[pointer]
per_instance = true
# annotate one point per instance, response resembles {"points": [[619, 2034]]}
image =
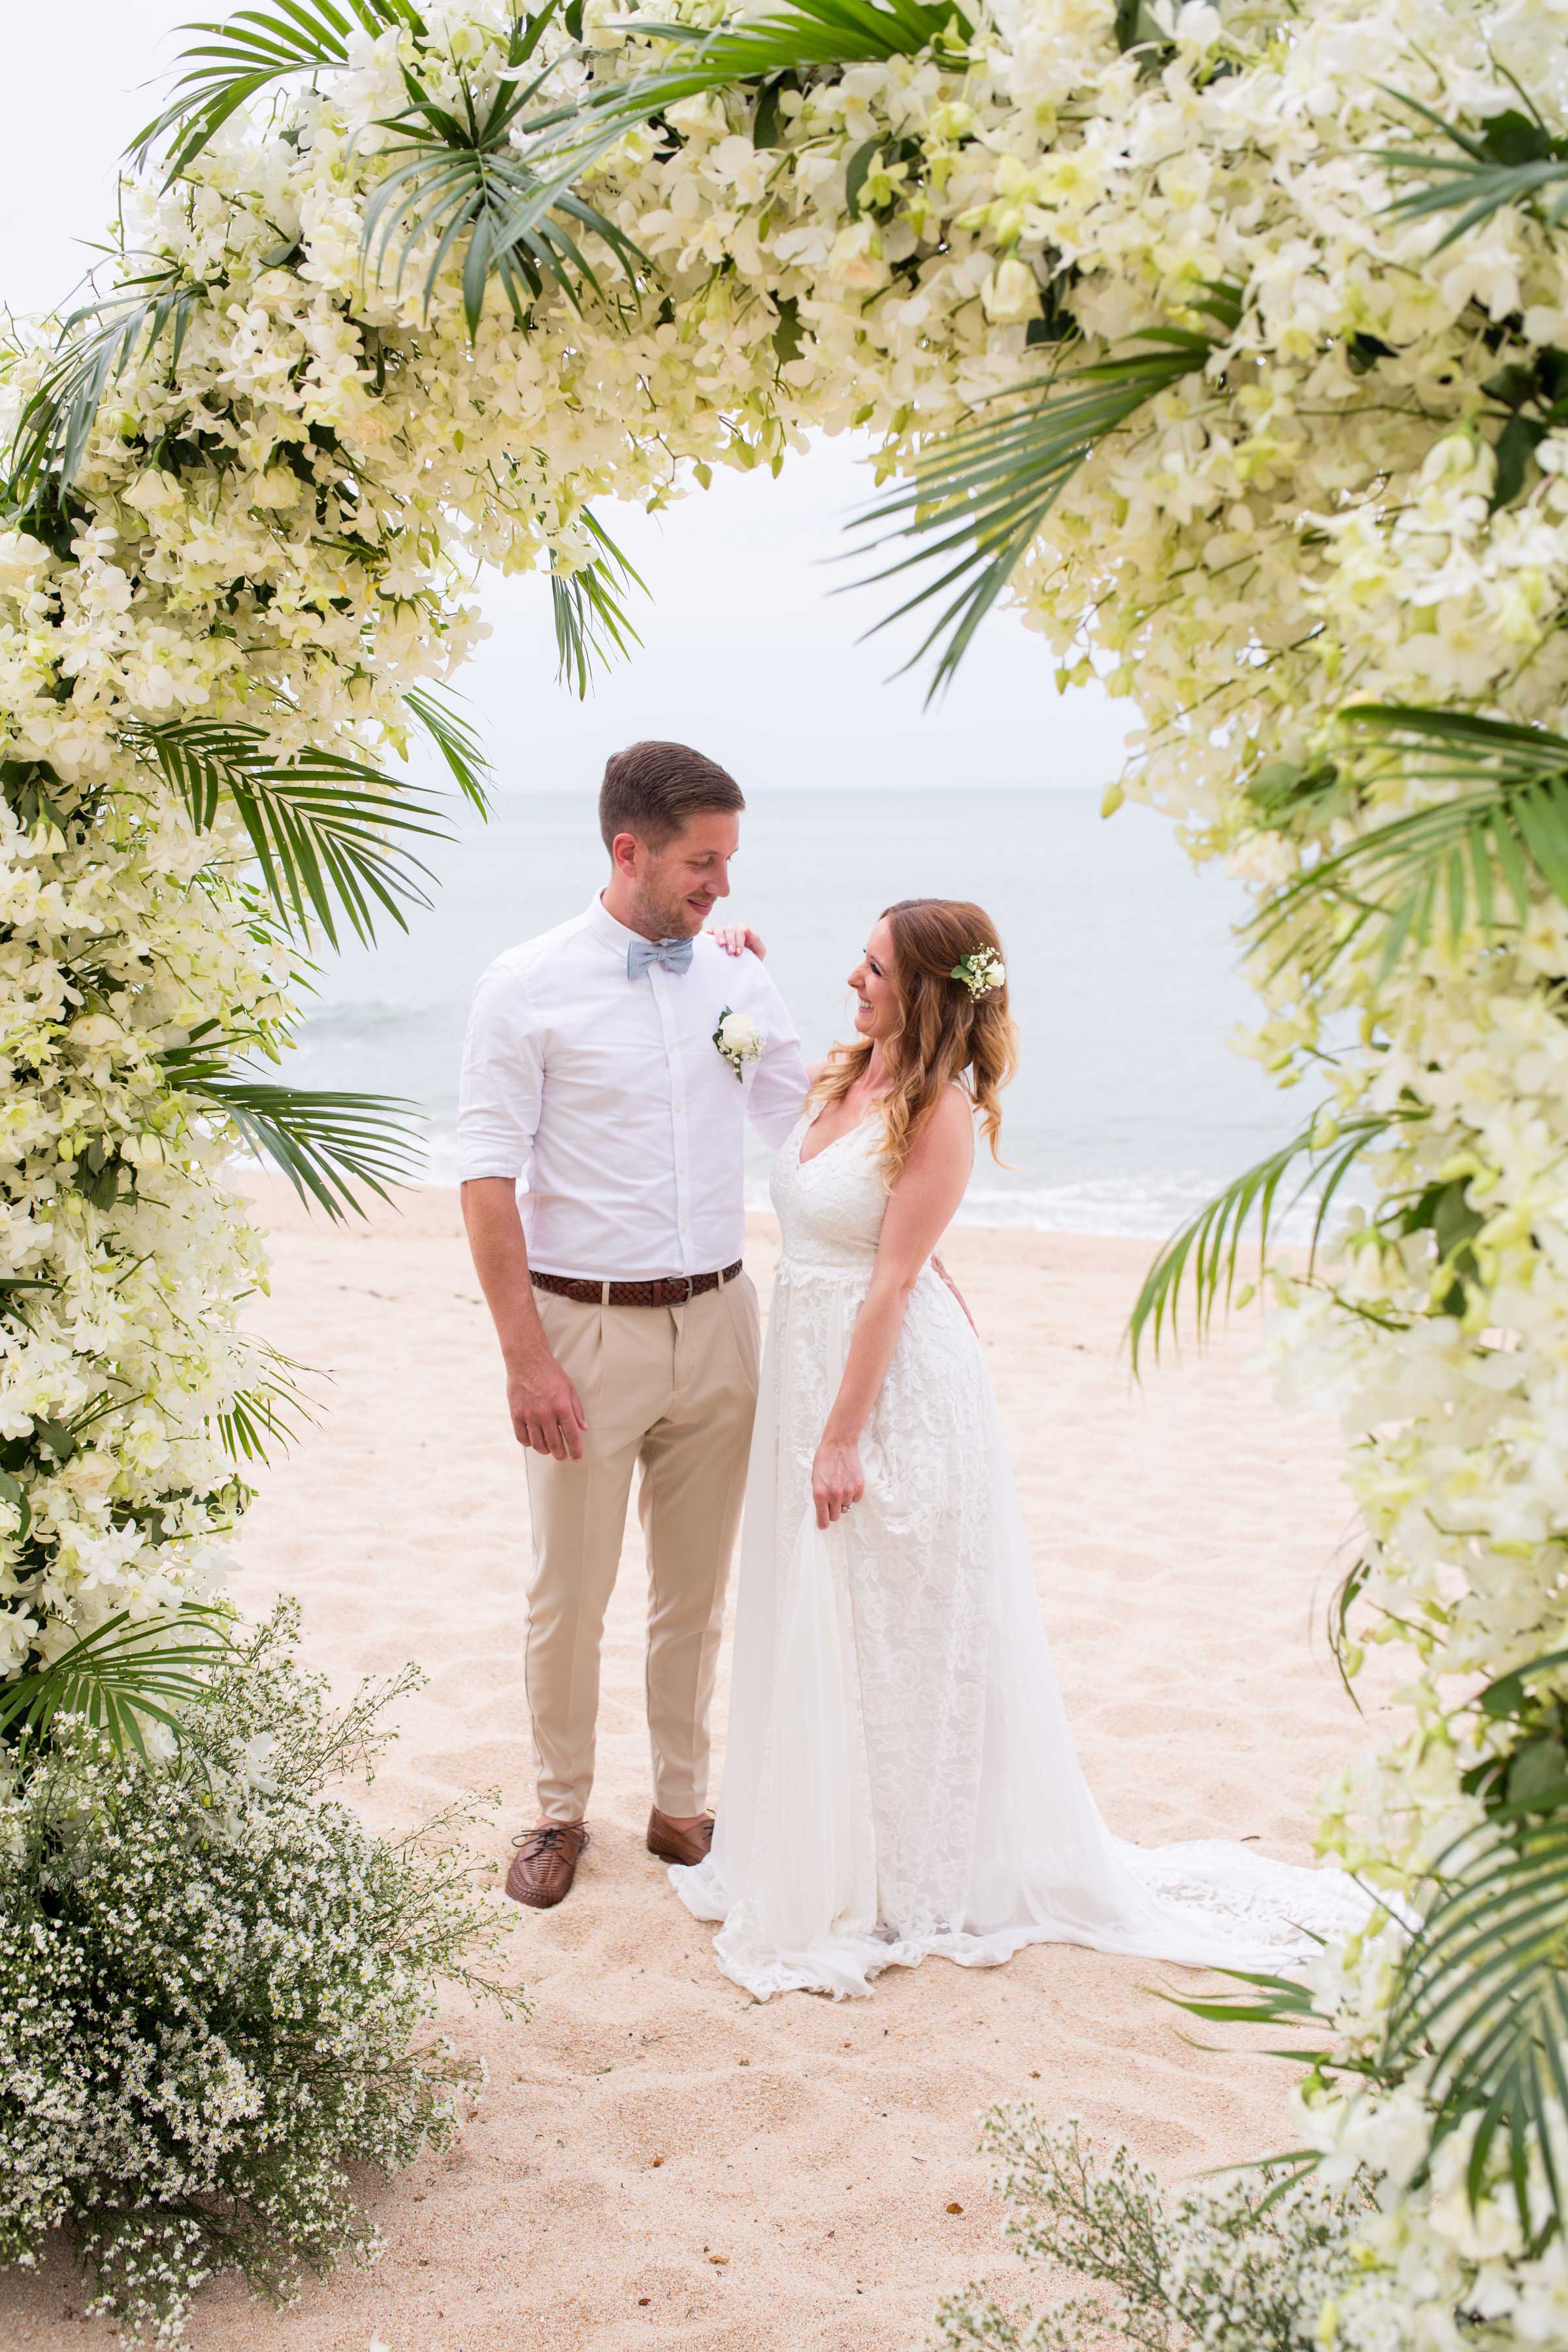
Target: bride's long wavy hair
{"points": [[945, 1035]]}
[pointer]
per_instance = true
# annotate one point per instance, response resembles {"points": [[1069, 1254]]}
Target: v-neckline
{"points": [[800, 1154]]}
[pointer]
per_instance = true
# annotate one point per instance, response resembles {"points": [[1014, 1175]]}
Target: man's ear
{"points": [[624, 854]]}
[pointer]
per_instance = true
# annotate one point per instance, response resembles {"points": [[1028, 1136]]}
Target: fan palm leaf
{"points": [[592, 625], [328, 835], [1205, 1252], [980, 495], [324, 1141], [1482, 1999], [97, 344], [1442, 867], [122, 1677]]}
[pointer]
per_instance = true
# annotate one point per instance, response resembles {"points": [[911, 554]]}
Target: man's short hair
{"points": [[653, 789]]}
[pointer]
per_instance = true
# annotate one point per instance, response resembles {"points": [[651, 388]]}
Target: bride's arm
{"points": [[923, 1203]]}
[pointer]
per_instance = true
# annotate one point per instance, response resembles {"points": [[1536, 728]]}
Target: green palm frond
{"points": [[252, 50], [980, 495], [266, 1413], [459, 179], [431, 708], [122, 1676], [327, 833], [1504, 830], [1483, 1998], [325, 1142], [1513, 159], [97, 344], [592, 626], [1206, 1249]]}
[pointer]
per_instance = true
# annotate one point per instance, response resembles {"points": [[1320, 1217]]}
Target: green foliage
{"points": [[1481, 2003], [98, 343], [431, 709], [980, 495], [214, 1987], [252, 51], [1513, 159], [1206, 1249], [325, 1142], [590, 621], [459, 179], [327, 832], [122, 1676], [1473, 856], [1243, 2267]]}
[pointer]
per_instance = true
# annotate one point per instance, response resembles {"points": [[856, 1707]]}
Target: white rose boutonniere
{"points": [[739, 1039]]}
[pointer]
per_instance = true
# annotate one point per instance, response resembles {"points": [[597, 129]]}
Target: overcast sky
{"points": [[746, 651]]}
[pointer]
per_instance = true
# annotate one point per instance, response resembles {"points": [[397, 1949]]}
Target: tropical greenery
{"points": [[1232, 347]]}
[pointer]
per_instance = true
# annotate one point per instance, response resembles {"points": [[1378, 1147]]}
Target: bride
{"points": [[900, 1777]]}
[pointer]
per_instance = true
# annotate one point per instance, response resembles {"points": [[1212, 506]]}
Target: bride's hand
{"points": [[836, 1479], [736, 938]]}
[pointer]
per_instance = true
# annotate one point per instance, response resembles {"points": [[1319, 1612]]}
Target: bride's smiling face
{"points": [[878, 1011]]}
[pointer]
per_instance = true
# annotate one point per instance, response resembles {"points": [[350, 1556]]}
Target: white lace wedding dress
{"points": [[900, 1777]]}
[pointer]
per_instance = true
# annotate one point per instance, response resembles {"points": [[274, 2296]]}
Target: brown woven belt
{"points": [[672, 1290]]}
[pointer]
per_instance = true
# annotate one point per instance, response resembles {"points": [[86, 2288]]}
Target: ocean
{"points": [[1129, 1109]]}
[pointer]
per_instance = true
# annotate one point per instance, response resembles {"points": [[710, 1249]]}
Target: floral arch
{"points": [[1230, 344]]}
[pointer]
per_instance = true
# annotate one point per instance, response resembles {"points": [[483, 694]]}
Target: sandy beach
{"points": [[659, 2161]]}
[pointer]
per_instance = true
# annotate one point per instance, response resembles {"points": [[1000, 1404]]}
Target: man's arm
{"points": [[546, 1410], [779, 1085]]}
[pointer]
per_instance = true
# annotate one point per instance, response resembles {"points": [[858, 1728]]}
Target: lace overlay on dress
{"points": [[900, 1777]]}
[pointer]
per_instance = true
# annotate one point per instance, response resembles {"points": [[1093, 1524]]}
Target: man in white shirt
{"points": [[600, 1146]]}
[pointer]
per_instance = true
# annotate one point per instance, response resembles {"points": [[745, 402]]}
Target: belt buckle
{"points": [[688, 1281]]}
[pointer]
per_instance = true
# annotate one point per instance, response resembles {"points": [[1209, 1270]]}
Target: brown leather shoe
{"points": [[545, 1863], [672, 1845]]}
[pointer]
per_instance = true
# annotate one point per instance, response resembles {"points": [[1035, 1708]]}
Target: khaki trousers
{"points": [[675, 1390]]}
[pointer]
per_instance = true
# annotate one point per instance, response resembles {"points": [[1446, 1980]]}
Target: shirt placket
{"points": [[679, 1114]]}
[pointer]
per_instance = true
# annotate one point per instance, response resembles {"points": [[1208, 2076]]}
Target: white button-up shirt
{"points": [[608, 1104]]}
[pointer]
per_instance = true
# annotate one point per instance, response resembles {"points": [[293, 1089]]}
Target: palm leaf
{"points": [[97, 344], [1504, 829], [1511, 160], [325, 1142], [980, 495], [267, 1412], [246, 53], [431, 708], [1482, 1996], [122, 1676], [1205, 1250], [327, 833], [592, 626]]}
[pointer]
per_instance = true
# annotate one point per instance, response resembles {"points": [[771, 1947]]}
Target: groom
{"points": [[600, 1142]]}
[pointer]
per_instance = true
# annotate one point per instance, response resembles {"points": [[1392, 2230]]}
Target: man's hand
{"points": [[546, 1410], [735, 938]]}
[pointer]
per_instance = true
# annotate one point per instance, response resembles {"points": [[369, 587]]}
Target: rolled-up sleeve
{"points": [[502, 1081], [779, 1086]]}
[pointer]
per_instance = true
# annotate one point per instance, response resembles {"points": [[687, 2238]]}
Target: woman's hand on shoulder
{"points": [[736, 938]]}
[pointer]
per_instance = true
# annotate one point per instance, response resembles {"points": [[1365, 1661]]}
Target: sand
{"points": [[659, 2161]]}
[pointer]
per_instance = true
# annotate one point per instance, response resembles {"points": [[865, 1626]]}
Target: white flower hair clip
{"points": [[980, 972]]}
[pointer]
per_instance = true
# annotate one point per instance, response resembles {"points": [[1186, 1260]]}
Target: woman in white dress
{"points": [[900, 1777]]}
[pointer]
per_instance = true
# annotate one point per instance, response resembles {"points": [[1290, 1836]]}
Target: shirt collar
{"points": [[604, 927]]}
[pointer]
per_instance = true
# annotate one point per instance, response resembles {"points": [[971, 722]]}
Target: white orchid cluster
{"points": [[1349, 487]]}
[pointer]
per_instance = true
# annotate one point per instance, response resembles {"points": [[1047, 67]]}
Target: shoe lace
{"points": [[549, 1835]]}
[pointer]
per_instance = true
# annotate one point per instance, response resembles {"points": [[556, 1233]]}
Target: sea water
{"points": [[1129, 1109]]}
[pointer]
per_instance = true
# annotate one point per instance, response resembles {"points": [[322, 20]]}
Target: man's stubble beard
{"points": [[663, 914]]}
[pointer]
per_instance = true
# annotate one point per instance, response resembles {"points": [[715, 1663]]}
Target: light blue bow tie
{"points": [[675, 955]]}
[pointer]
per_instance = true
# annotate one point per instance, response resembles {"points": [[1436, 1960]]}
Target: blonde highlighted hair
{"points": [[945, 1035]]}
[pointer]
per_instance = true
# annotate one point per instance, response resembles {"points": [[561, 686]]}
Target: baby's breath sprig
{"points": [[981, 971]]}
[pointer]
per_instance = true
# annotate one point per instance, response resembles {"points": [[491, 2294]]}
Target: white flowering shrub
{"points": [[212, 1977], [1251, 2266], [1229, 341]]}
